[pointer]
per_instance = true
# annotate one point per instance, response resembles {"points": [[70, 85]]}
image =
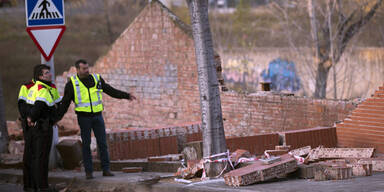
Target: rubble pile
{"points": [[319, 164]]}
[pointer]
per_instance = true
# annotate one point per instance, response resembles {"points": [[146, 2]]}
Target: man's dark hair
{"points": [[38, 70], [77, 64]]}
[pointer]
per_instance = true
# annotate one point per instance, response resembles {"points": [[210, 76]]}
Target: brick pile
{"points": [[365, 126], [257, 172], [325, 171], [143, 143]]}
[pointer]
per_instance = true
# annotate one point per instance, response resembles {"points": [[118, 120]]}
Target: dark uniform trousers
{"points": [[41, 141], [27, 157]]}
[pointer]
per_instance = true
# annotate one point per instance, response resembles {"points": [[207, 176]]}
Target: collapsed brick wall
{"points": [[154, 58], [365, 126]]}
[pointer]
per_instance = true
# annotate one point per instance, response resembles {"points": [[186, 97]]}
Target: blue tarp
{"points": [[282, 75]]}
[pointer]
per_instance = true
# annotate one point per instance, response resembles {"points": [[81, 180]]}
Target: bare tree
{"points": [[329, 48], [212, 120], [3, 124]]}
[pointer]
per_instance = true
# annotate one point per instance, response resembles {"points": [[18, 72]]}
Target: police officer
{"points": [[42, 97], [27, 158], [85, 90]]}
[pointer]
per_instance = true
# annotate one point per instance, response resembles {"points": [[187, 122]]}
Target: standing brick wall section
{"points": [[143, 143], [154, 59], [269, 112], [365, 126]]}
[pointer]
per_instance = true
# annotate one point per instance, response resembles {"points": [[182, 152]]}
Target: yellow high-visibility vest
{"points": [[87, 100], [43, 92]]}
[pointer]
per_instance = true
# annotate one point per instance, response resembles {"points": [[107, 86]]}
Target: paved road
{"points": [[147, 181], [10, 187]]}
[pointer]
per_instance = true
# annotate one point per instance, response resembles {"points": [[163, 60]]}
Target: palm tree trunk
{"points": [[210, 103]]}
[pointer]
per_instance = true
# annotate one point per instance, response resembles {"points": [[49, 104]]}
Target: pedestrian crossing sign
{"points": [[44, 12]]}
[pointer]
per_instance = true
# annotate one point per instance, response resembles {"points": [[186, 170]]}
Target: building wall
{"points": [[154, 59]]}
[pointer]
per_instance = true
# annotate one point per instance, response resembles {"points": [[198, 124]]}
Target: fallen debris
{"points": [[301, 151], [239, 153], [270, 160], [182, 180], [337, 153], [325, 171], [283, 147], [194, 169], [275, 152], [306, 171], [377, 163], [259, 172]]}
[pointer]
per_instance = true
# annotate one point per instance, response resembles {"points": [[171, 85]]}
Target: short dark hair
{"points": [[77, 64], [38, 70]]}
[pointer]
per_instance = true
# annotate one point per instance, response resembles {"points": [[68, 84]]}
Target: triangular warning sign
{"points": [[46, 38], [45, 9]]}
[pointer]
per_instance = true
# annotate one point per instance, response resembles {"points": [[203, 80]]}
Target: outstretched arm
{"points": [[109, 90]]}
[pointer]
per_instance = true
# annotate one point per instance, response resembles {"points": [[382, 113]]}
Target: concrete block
{"points": [[70, 152]]}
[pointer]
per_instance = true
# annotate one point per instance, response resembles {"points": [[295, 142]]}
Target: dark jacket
{"points": [[88, 82]]}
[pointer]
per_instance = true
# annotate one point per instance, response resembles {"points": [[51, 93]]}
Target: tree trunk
{"points": [[321, 81], [3, 123], [211, 114]]}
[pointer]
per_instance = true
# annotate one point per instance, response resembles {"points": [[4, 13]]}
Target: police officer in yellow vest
{"points": [[85, 90], [43, 98], [27, 156]]}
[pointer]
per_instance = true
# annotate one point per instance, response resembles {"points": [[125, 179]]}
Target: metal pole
{"points": [[53, 155], [51, 64]]}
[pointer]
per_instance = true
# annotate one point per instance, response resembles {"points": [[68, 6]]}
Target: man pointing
{"points": [[85, 90]]}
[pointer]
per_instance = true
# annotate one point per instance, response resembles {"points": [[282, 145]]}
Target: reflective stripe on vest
{"points": [[84, 103], [23, 93]]}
